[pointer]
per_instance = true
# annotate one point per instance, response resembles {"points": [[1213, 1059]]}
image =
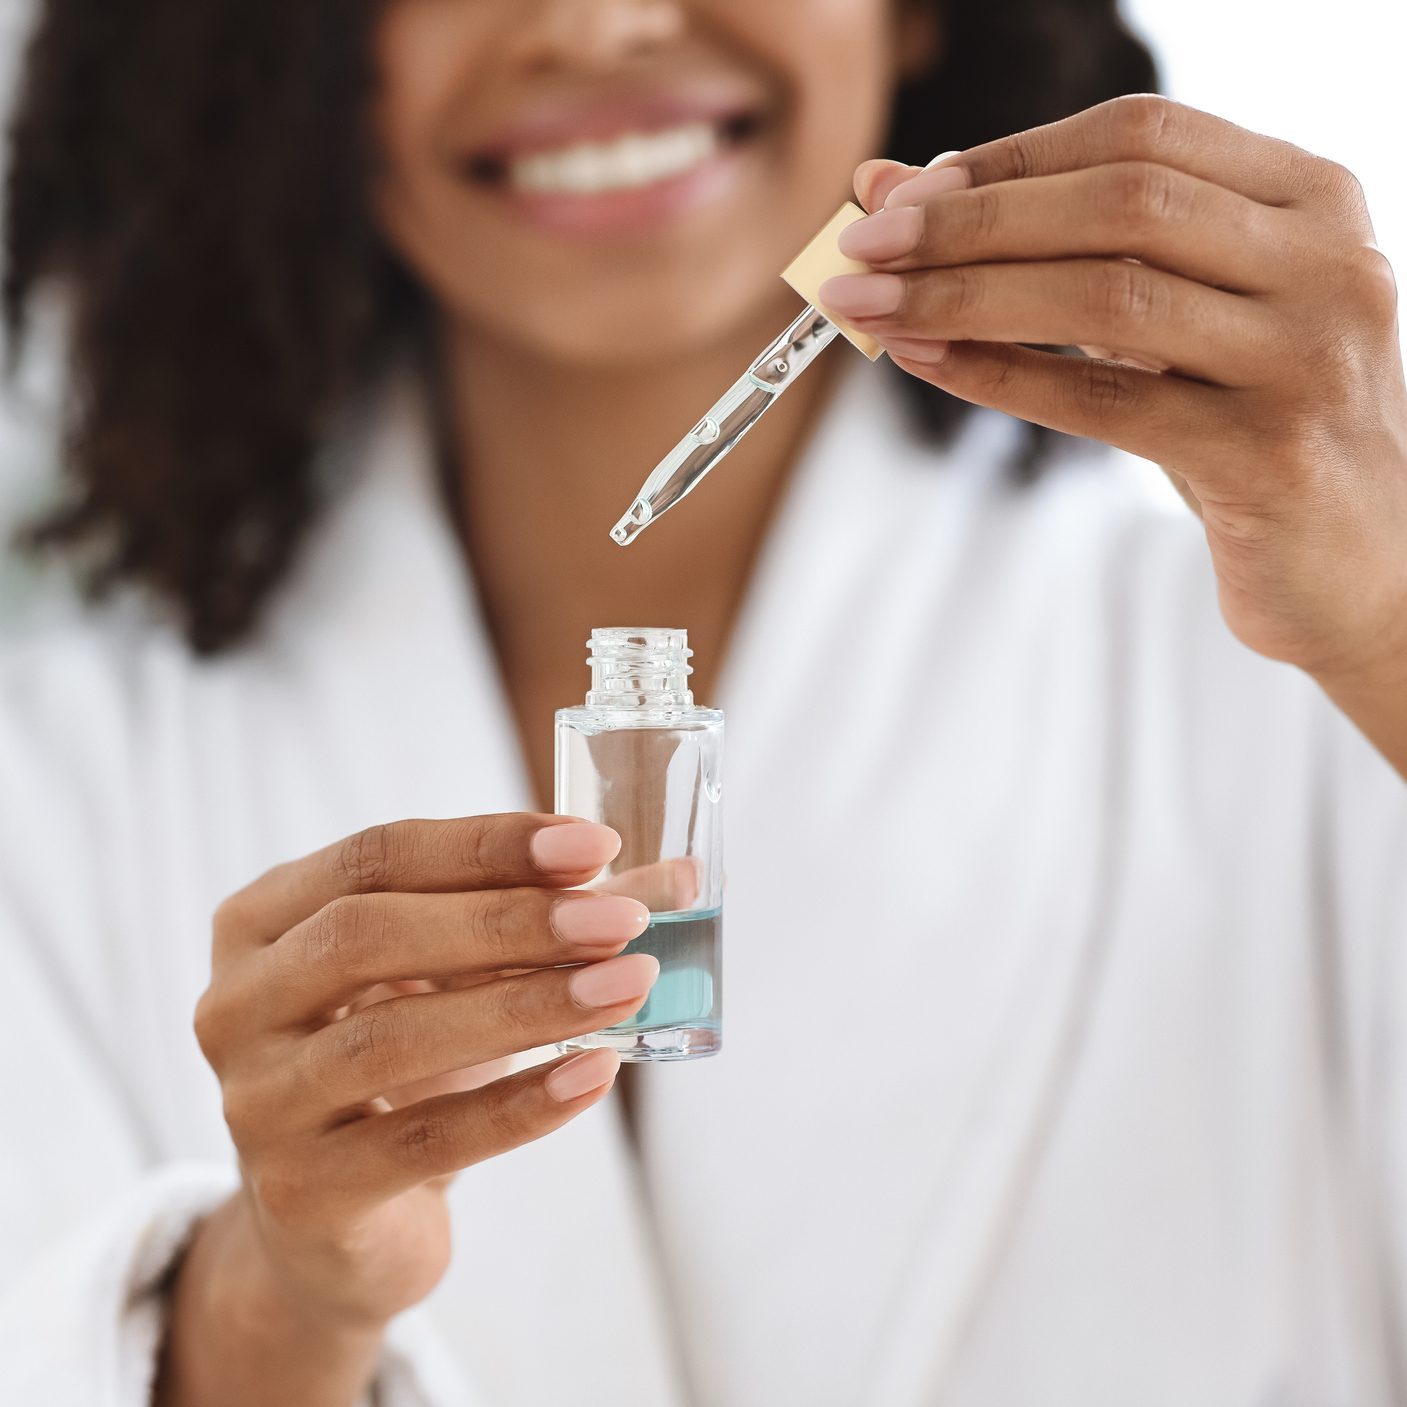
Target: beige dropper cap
{"points": [[822, 259]]}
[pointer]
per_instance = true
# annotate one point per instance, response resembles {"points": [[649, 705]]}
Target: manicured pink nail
{"points": [[581, 1074], [574, 847], [890, 234], [599, 918], [940, 180], [618, 980], [862, 295], [914, 349]]}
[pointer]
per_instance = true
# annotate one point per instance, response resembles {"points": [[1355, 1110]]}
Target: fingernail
{"points": [[862, 295], [942, 157], [938, 181], [914, 349], [573, 847], [581, 1074], [890, 234], [617, 980], [598, 918]]}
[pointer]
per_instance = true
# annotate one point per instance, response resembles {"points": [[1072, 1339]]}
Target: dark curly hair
{"points": [[195, 174]]}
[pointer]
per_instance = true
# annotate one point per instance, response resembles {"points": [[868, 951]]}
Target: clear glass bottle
{"points": [[642, 758]]}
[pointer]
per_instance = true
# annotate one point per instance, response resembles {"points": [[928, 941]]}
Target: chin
{"points": [[652, 332]]}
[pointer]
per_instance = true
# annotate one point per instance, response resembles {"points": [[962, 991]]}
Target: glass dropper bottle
{"points": [[642, 757]]}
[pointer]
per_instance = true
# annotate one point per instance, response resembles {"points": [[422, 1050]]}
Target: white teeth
{"points": [[634, 159]]}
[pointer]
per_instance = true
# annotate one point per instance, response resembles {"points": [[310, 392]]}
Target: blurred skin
{"points": [[817, 74], [364, 998]]}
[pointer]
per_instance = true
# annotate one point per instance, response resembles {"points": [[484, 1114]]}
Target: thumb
{"points": [[875, 179]]}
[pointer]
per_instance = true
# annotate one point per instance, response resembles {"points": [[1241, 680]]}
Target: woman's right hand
{"points": [[344, 1157]]}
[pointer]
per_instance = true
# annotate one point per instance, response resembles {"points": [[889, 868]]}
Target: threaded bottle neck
{"points": [[633, 667]]}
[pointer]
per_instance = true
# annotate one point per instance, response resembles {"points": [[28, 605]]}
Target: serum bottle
{"points": [[642, 758]]}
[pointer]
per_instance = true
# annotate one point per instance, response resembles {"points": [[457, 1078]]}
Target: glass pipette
{"points": [[749, 398], [745, 402]]}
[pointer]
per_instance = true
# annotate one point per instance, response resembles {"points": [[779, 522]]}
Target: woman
{"points": [[1065, 923]]}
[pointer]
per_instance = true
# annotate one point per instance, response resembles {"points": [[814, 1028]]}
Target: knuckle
{"points": [[347, 931], [1148, 195], [981, 214], [469, 845], [1340, 184], [999, 378], [962, 292], [503, 1121], [327, 935], [491, 916], [475, 847], [515, 1012], [1100, 391], [211, 1027], [364, 860], [371, 1042], [1123, 292], [231, 918], [426, 1137], [1144, 122], [1372, 283], [1024, 157]]}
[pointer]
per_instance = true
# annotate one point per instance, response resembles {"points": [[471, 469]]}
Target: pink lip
{"points": [[638, 211], [557, 123], [634, 211]]}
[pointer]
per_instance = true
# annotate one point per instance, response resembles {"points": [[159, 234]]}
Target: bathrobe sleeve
{"points": [[1367, 881], [81, 1322], [96, 1201]]}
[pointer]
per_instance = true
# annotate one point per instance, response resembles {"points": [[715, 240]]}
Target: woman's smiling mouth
{"points": [[622, 167]]}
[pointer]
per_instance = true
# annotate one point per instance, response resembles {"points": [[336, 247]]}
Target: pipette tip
{"points": [[633, 524]]}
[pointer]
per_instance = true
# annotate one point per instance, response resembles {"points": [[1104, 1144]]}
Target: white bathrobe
{"points": [[1066, 974]]}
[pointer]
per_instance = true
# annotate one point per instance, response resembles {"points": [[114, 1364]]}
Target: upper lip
{"points": [[559, 122]]}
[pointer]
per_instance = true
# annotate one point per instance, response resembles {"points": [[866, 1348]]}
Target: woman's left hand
{"points": [[1244, 332]]}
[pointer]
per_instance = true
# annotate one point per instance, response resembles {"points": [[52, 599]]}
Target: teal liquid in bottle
{"points": [[641, 757]]}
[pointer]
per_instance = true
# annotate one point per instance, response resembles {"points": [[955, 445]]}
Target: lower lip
{"points": [[631, 210]]}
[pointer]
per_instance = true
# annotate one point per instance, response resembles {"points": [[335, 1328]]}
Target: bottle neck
{"points": [[634, 668]]}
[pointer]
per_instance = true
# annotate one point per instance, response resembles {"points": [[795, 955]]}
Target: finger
{"points": [[1141, 312], [1146, 127], [875, 179], [1141, 210], [477, 852], [373, 1159], [661, 887], [1147, 414], [406, 1039], [362, 941], [928, 350]]}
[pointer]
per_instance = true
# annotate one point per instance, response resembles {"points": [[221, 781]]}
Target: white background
{"points": [[1327, 76]]}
